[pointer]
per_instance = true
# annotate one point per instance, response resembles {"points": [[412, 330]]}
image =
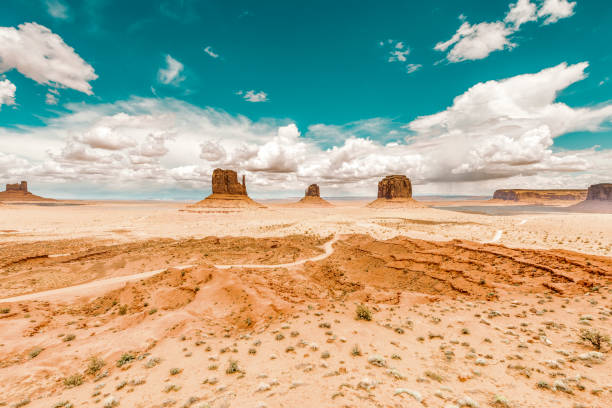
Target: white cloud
{"points": [[171, 74], [398, 52], [253, 96], [474, 42], [410, 68], [521, 12], [7, 92], [51, 98], [210, 52], [554, 10], [496, 134], [57, 9], [43, 56]]}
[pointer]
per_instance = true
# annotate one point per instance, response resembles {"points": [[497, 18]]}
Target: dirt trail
{"points": [[328, 247], [88, 288]]}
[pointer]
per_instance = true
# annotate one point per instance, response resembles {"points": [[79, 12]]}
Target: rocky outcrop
{"points": [[312, 198], [226, 182], [312, 191], [227, 192], [601, 192], [19, 192], [598, 200], [395, 187], [395, 191], [23, 186], [539, 195]]}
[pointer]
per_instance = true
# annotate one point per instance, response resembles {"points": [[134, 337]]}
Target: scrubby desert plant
{"points": [[73, 381], [232, 367], [363, 313], [595, 337], [94, 365], [124, 359]]}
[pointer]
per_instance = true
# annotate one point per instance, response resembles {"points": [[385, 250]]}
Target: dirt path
{"points": [[328, 247], [87, 288]]}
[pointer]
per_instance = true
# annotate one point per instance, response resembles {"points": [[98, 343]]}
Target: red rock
{"points": [[227, 192], [395, 192], [312, 198], [226, 182], [312, 191], [19, 192], [601, 192], [539, 195], [395, 187]]}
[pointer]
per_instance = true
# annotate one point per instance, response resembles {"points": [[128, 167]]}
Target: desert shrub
{"points": [[73, 381], [363, 313], [124, 359], [95, 364], [232, 367], [596, 338]]}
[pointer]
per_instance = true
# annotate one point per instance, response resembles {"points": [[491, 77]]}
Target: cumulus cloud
{"points": [[554, 10], [253, 96], [472, 42], [171, 74], [495, 134], [43, 56], [7, 92], [523, 11], [477, 41]]}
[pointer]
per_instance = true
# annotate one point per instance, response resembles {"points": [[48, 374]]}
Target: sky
{"points": [[143, 99]]}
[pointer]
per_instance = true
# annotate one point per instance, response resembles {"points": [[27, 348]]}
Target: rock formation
{"points": [[602, 192], [312, 191], [395, 187], [312, 198], [598, 200], [227, 192], [395, 191], [19, 192], [537, 196], [226, 182]]}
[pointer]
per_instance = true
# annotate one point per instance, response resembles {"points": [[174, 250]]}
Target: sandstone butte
{"points": [[19, 192], [312, 198], [395, 191], [598, 199], [227, 192], [537, 196]]}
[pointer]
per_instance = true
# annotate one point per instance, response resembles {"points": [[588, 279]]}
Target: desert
{"points": [[144, 305], [323, 204]]}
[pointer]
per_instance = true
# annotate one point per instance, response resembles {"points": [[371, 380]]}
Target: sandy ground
{"points": [[466, 310], [588, 233]]}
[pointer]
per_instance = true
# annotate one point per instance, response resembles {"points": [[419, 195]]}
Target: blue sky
{"points": [[278, 82]]}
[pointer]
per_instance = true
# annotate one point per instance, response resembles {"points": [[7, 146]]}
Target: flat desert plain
{"points": [[141, 304]]}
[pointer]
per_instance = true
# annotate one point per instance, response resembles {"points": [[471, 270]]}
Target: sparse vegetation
{"points": [[124, 359], [232, 367], [73, 381], [69, 337], [356, 351], [35, 352], [595, 337], [363, 313], [123, 309], [95, 364]]}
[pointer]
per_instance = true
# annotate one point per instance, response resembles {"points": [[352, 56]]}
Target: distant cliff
{"points": [[539, 195]]}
